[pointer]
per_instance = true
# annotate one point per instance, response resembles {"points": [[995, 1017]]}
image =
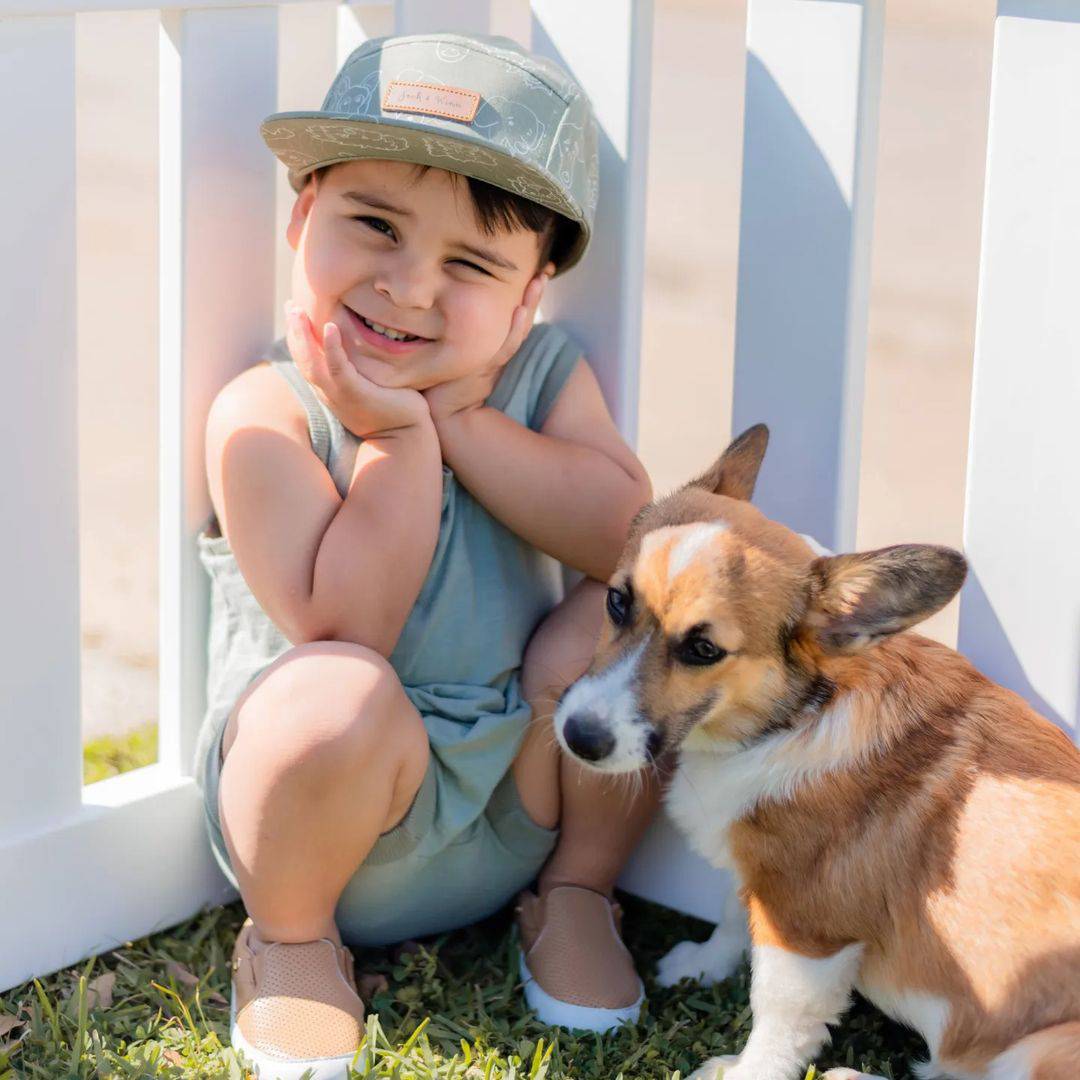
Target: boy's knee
{"points": [[562, 646], [356, 667], [335, 705]]}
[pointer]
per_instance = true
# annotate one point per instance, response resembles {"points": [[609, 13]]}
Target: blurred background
{"points": [[928, 209]]}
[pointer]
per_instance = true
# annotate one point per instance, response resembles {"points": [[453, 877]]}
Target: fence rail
{"points": [[87, 868], [42, 8]]}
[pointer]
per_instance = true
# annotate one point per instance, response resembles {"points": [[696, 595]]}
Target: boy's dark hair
{"points": [[498, 210]]}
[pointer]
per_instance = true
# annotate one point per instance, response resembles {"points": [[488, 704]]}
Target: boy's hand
{"points": [[363, 406], [471, 391]]}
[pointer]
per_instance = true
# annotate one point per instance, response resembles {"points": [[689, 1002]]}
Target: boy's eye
{"points": [[471, 266], [377, 223]]}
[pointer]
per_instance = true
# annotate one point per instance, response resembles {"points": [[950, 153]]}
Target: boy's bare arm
{"points": [[323, 568], [570, 489], [375, 555]]}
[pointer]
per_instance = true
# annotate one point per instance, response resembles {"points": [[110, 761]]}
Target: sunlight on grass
{"points": [[110, 755], [159, 1008]]}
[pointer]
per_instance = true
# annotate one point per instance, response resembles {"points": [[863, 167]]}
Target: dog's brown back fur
{"points": [[948, 853]]}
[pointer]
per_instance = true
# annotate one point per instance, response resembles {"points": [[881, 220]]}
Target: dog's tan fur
{"points": [[942, 827]]}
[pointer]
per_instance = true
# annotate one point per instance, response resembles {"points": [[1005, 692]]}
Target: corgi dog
{"points": [[896, 822]]}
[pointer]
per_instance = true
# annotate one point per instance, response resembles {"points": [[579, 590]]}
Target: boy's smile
{"points": [[391, 339], [399, 260]]}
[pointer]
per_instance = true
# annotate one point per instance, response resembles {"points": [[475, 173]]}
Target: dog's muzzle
{"points": [[599, 721], [588, 737]]}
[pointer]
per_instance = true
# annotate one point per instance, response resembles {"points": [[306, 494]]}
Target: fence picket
{"points": [[39, 549], [419, 16], [813, 77], [359, 22], [217, 290], [1020, 610], [600, 301], [512, 19]]}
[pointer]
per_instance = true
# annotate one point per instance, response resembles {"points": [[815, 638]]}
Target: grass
{"points": [[158, 1008], [452, 1011], [110, 755]]}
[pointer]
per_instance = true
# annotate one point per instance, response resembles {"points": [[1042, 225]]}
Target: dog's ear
{"points": [[735, 471], [856, 600]]}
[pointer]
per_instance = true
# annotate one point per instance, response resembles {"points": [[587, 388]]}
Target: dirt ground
{"points": [[925, 264]]}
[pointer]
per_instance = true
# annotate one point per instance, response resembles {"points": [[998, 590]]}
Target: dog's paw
{"points": [[687, 960], [715, 1068], [705, 962], [849, 1074]]}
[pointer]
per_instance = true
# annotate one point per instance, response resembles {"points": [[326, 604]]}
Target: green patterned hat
{"points": [[480, 106]]}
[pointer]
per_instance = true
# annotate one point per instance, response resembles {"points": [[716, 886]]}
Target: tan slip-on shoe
{"points": [[576, 970], [295, 1008]]}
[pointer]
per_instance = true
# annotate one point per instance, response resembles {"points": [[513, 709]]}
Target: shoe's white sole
{"points": [[557, 1013], [272, 1068]]}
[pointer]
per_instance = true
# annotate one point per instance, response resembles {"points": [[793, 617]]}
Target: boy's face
{"points": [[378, 242]]}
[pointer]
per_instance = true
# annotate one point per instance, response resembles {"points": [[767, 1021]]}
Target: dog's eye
{"points": [[701, 651], [618, 606]]}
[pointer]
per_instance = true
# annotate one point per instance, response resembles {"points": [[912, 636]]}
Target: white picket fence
{"points": [[84, 868]]}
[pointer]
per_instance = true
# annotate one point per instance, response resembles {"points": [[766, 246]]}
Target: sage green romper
{"points": [[466, 845]]}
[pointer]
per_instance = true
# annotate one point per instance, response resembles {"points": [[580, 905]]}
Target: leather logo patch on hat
{"points": [[450, 101]]}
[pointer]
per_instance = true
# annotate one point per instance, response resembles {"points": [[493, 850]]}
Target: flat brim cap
{"points": [[479, 106]]}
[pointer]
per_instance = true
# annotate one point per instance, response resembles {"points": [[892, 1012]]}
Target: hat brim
{"points": [[306, 141]]}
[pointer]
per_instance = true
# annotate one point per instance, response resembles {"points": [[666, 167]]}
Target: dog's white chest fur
{"points": [[701, 808], [713, 789]]}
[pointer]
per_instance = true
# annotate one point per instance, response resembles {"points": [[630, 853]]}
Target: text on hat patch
{"points": [[452, 102]]}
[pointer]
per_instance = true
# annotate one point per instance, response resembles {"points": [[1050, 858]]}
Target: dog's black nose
{"points": [[588, 737]]}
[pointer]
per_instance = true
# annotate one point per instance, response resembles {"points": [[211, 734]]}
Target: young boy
{"points": [[394, 491]]}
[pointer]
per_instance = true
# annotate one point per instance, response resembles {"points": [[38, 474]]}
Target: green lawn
{"points": [[110, 755], [159, 1006], [451, 1010]]}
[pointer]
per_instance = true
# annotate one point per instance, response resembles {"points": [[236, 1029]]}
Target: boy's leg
{"points": [[601, 818], [322, 754], [577, 971]]}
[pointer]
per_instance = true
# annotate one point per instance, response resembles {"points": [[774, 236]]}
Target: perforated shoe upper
{"points": [[572, 946], [296, 1001]]}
